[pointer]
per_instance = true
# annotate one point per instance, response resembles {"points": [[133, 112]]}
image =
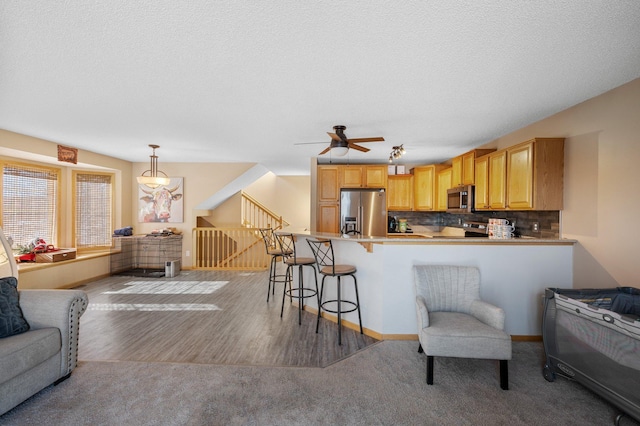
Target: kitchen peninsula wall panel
{"points": [[386, 266]]}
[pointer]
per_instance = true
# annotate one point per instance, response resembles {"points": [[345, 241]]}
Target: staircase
{"points": [[237, 248]]}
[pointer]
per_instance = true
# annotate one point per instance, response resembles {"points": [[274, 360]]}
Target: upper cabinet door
{"points": [[424, 187], [375, 176], [400, 192], [328, 188], [457, 171], [498, 180], [481, 200], [468, 168], [520, 177], [444, 183], [351, 176], [356, 176]]}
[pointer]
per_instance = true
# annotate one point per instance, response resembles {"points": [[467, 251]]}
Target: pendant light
{"points": [[153, 177]]}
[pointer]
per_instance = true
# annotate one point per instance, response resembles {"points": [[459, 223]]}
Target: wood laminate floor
{"points": [[207, 317]]}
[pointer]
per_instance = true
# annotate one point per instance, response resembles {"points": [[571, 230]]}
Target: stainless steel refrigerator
{"points": [[363, 212]]}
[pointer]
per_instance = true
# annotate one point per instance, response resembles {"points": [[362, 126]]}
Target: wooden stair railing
{"points": [[256, 215], [229, 249], [236, 248]]}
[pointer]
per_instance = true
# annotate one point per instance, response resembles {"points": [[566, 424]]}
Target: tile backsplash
{"points": [[548, 221]]}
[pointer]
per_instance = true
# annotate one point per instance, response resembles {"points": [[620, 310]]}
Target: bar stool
{"points": [[323, 252], [291, 259], [274, 250]]}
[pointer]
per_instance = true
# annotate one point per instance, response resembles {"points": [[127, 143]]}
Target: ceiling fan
{"points": [[340, 144]]}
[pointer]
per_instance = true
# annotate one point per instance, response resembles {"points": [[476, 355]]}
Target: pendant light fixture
{"points": [[153, 177]]}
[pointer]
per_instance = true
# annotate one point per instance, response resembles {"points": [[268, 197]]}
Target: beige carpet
{"points": [[383, 384]]}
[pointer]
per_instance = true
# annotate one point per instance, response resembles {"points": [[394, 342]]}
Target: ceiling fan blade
{"points": [[325, 150], [309, 143], [334, 136], [360, 140], [358, 147]]}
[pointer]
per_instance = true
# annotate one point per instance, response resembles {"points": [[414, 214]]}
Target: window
{"points": [[93, 210], [30, 203]]}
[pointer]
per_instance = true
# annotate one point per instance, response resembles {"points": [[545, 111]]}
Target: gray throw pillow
{"points": [[11, 319]]}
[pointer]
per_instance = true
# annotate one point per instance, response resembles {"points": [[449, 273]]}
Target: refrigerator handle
{"points": [[359, 224]]}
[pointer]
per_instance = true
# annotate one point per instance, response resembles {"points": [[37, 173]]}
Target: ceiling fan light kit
{"points": [[153, 177], [340, 144], [339, 151]]}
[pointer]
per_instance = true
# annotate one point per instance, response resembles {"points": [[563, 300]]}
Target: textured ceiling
{"points": [[233, 81]]}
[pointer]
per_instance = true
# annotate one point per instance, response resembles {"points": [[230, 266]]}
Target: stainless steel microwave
{"points": [[460, 199]]}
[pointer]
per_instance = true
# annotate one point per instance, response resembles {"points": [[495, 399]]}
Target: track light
{"points": [[396, 152]]}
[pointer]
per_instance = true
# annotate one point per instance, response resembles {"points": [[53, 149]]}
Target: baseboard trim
{"points": [[379, 336]]}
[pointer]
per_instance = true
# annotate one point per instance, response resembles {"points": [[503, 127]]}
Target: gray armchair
{"points": [[454, 322]]}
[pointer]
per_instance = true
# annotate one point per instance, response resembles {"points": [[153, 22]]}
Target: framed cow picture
{"points": [[163, 204]]}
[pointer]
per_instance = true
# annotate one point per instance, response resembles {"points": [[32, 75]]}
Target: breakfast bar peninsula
{"points": [[514, 274]]}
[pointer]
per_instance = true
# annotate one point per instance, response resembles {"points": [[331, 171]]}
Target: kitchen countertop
{"points": [[435, 235]]}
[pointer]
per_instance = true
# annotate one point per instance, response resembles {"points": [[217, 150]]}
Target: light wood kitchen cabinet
{"points": [[456, 171], [481, 169], [351, 176], [328, 184], [376, 176], [520, 177], [328, 195], [328, 219], [444, 183], [329, 181], [425, 190], [527, 176], [363, 176], [400, 192], [535, 172], [463, 172], [498, 180]]}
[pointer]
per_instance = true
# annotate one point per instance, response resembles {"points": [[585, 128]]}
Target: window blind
{"points": [[93, 210], [29, 203]]}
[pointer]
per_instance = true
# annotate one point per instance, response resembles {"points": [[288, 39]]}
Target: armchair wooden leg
{"points": [[504, 374], [429, 370], [420, 350]]}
